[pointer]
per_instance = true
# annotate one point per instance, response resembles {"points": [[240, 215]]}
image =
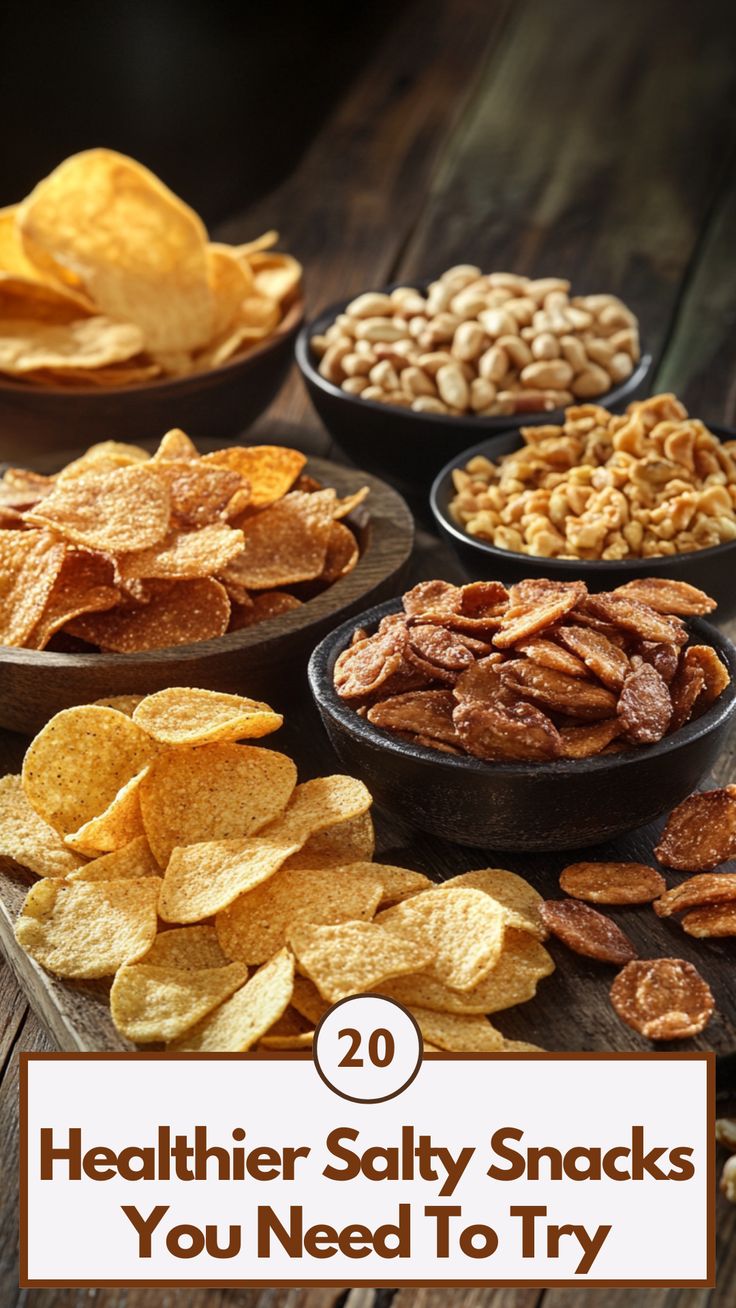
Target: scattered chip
{"points": [[586, 931], [26, 840], [717, 920], [519, 901], [705, 889], [181, 716], [612, 883], [465, 926], [241, 1021], [700, 833], [662, 998], [522, 965], [85, 929], [355, 956]]}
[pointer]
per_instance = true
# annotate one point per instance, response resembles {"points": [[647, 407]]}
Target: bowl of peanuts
{"points": [[604, 497], [405, 377]]}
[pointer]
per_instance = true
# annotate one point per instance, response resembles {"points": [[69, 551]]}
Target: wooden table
{"points": [[567, 138]]}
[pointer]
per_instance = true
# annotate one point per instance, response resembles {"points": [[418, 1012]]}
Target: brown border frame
{"points": [[273, 1055]]}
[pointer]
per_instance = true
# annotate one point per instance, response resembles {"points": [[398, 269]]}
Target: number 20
{"points": [[381, 1047]]}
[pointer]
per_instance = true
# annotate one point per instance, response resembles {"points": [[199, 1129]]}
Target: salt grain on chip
{"points": [[185, 554], [88, 929], [191, 947], [116, 512], [175, 613]]}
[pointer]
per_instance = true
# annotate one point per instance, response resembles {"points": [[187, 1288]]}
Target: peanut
{"points": [[494, 364], [552, 374], [469, 341], [593, 381], [452, 386], [373, 304]]}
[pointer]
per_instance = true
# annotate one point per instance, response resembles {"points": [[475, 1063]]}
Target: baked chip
{"points": [[85, 929], [248, 1014], [185, 716], [700, 833], [662, 998], [353, 957], [28, 841], [465, 926]]}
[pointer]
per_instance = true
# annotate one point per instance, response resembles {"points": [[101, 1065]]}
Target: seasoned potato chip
{"points": [[342, 553], [662, 998], [132, 860], [666, 596], [203, 879], [276, 275], [230, 280], [518, 900], [300, 1040], [307, 1001], [713, 922], [181, 716], [699, 891], [644, 705], [120, 823], [521, 966], [184, 554], [30, 563], [192, 947], [175, 444], [139, 251], [83, 584], [241, 1021], [126, 704], [105, 456], [527, 618], [152, 1002], [269, 604], [586, 931], [175, 613], [200, 494], [85, 929], [76, 766], [27, 344], [465, 926], [612, 883], [116, 512], [260, 921], [285, 543], [457, 1032], [397, 883], [700, 833], [347, 842], [29, 841], [597, 652], [212, 793], [355, 956], [591, 738]]}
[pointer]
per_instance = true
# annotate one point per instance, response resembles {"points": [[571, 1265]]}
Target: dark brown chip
{"points": [[586, 932], [644, 706], [265, 605], [377, 664], [612, 883], [438, 646], [718, 920], [550, 655], [583, 617], [426, 713], [432, 597], [556, 691], [481, 683], [605, 660], [697, 892], [700, 833], [342, 553], [533, 589], [666, 596], [482, 599], [512, 733], [593, 738], [662, 656], [663, 998], [427, 742], [715, 674], [527, 618], [686, 687], [638, 618]]}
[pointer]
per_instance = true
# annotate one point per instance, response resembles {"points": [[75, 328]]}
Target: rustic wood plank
{"points": [[32, 1037], [468, 1298]]}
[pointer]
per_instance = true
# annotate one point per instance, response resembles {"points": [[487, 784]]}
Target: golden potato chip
{"points": [[175, 613], [259, 922], [81, 929], [126, 704], [130, 861], [83, 584], [307, 1001], [397, 882], [465, 926], [300, 1040], [76, 766], [241, 1021], [230, 280], [183, 948], [342, 553], [291, 1023], [458, 1033], [120, 823], [353, 841], [519, 900], [355, 956], [117, 376], [200, 493], [150, 1002], [264, 242], [175, 445], [514, 979], [271, 470], [29, 841], [342, 508], [116, 512], [256, 318], [205, 878], [27, 344], [268, 604], [30, 562], [185, 716], [13, 258], [213, 793], [276, 275], [285, 543], [105, 456], [138, 250], [185, 554], [28, 298]]}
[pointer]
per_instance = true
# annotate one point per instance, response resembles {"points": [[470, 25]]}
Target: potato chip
{"points": [[30, 563], [515, 732], [397, 883], [183, 716], [465, 926], [636, 617], [24, 296], [120, 511], [205, 878], [342, 553], [27, 840], [76, 766], [126, 704], [264, 242], [700, 833], [307, 1001], [550, 655], [80, 929], [150, 1002], [713, 922], [644, 705], [355, 956], [27, 344], [185, 554], [522, 965], [186, 948], [268, 604], [105, 456], [260, 921], [612, 883], [291, 1023], [715, 674], [420, 712], [200, 493], [130, 861], [138, 250], [211, 793], [346, 842], [275, 275], [458, 1033], [519, 901], [175, 613], [523, 620], [285, 543], [703, 890], [120, 823], [241, 1021], [589, 739], [175, 444], [586, 931], [662, 998], [230, 280], [302, 1040], [557, 692], [83, 584], [667, 596], [605, 660], [117, 376]]}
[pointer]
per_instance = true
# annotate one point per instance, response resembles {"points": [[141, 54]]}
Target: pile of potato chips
{"points": [[126, 552], [107, 279], [176, 860]]}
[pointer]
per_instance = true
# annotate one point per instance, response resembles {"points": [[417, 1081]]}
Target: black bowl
{"points": [[712, 569], [564, 804], [408, 448]]}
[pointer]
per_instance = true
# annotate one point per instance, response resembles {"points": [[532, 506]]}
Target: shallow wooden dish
{"points": [[263, 661], [226, 400]]}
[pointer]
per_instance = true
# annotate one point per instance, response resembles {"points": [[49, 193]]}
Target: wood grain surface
{"points": [[589, 140]]}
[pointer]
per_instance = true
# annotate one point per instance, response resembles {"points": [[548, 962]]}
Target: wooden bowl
{"points": [[711, 570], [563, 804], [261, 661], [225, 400], [407, 447]]}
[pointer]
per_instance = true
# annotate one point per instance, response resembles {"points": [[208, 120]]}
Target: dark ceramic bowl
{"points": [[405, 447], [36, 420], [712, 569], [565, 804]]}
